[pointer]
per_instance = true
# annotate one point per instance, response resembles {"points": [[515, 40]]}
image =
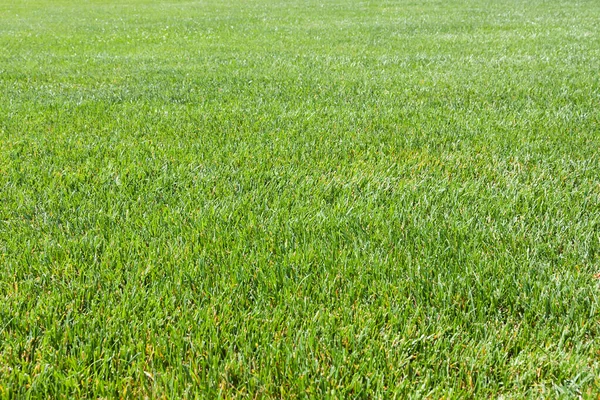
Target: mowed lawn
{"points": [[299, 198]]}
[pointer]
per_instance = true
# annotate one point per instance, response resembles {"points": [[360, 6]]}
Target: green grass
{"points": [[269, 198]]}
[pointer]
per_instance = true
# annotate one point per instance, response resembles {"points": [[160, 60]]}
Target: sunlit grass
{"points": [[299, 199]]}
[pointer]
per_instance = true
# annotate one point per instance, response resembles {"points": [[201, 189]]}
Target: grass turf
{"points": [[299, 198]]}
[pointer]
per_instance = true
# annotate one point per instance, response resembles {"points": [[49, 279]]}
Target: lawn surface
{"points": [[329, 198]]}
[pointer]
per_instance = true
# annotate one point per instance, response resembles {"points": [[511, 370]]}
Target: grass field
{"points": [[326, 199]]}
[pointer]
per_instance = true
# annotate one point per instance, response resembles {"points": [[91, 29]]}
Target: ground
{"points": [[268, 198]]}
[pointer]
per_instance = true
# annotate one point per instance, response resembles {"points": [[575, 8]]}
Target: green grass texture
{"points": [[299, 199]]}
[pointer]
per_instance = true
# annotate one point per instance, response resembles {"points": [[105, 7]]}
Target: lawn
{"points": [[299, 199]]}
